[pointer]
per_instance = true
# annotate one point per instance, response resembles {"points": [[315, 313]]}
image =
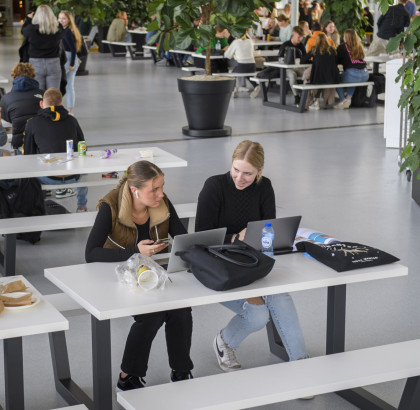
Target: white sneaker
{"points": [[64, 193], [255, 92], [235, 93], [225, 355], [315, 105], [343, 105]]}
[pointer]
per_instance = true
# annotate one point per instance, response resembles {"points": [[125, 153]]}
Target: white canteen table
{"points": [[16, 323], [282, 103], [95, 287], [29, 166]]}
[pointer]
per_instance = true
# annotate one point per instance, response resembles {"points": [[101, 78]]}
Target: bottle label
{"points": [[266, 242]]}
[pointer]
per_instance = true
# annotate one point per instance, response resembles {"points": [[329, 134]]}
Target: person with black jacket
{"points": [[131, 219], [44, 35], [47, 132], [389, 25], [22, 102]]}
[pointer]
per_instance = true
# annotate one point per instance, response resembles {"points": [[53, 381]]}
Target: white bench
{"points": [[10, 227], [88, 180], [288, 381], [152, 50], [119, 48], [305, 88], [265, 82], [193, 69]]}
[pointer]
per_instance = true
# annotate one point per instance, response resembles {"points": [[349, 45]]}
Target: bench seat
{"points": [[118, 49], [234, 75], [288, 381], [152, 50], [89, 180], [193, 69]]}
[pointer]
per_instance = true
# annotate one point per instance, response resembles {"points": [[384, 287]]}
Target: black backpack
{"points": [[379, 80], [25, 198]]}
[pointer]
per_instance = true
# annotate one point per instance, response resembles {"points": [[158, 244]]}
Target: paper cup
{"points": [[147, 279]]}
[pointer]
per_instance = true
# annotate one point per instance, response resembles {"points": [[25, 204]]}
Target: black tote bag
{"points": [[224, 267]]}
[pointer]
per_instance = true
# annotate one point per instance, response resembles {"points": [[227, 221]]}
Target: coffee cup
{"points": [[147, 279]]}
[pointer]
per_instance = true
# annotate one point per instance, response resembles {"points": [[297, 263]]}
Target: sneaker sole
{"points": [[65, 196], [226, 369]]}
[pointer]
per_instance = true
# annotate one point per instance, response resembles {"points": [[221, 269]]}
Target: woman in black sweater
{"points": [[232, 200], [44, 35], [351, 55], [131, 218]]}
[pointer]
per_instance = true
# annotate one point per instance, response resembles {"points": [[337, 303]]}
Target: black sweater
{"points": [[393, 22], [287, 44], [42, 45], [69, 43], [95, 252], [343, 58], [220, 204]]}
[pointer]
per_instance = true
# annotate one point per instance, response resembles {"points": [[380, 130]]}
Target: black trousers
{"points": [[178, 331]]}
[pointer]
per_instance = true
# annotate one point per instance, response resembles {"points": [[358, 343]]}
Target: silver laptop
{"points": [[184, 242], [284, 233]]}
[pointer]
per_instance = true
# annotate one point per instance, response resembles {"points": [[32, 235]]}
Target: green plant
{"points": [[95, 10], [345, 14], [175, 28], [136, 11], [409, 73]]}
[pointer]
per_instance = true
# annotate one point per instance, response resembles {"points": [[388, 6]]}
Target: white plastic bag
{"points": [[141, 271]]}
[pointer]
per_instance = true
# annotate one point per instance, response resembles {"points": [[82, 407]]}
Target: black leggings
{"points": [[178, 332]]}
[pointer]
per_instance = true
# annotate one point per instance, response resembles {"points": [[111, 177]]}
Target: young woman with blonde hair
{"points": [[44, 35], [351, 55], [72, 43], [231, 200], [331, 32]]}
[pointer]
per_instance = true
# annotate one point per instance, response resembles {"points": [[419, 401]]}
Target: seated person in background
{"points": [[242, 51], [368, 27], [220, 43], [316, 31], [307, 33], [131, 218], [331, 32], [324, 69], [305, 13], [47, 132], [351, 56], [231, 200], [285, 28], [118, 29], [271, 28], [389, 25], [22, 102], [411, 8], [287, 10], [293, 73]]}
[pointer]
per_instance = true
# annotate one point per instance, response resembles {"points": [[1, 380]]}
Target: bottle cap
{"points": [[267, 224]]}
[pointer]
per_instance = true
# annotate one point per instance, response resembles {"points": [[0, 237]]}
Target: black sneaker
{"points": [[130, 382], [178, 376], [297, 99]]}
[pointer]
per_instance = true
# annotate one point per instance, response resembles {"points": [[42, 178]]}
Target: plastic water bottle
{"points": [[218, 45], [267, 239]]}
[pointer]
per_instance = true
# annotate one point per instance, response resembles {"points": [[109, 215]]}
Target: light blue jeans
{"points": [[251, 318], [352, 75], [70, 79], [47, 72], [81, 192]]}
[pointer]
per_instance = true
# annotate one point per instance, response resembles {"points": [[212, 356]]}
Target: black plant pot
{"points": [[206, 104], [415, 192]]}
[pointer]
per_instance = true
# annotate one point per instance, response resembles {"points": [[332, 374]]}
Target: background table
{"points": [[95, 287], [14, 324], [29, 166]]}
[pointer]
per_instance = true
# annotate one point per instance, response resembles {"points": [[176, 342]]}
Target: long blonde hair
{"points": [[46, 20], [354, 44], [73, 28], [322, 45]]}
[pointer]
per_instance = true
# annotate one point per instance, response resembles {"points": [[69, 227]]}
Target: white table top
{"points": [[266, 53], [42, 318], [218, 57], [138, 31], [27, 166], [283, 65], [261, 43], [96, 288]]}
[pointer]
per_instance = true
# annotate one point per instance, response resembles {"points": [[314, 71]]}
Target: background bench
{"points": [[10, 227], [193, 70], [152, 50], [119, 49], [288, 381]]}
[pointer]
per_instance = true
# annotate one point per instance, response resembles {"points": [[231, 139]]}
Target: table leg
{"points": [[101, 361], [64, 384], [336, 335], [410, 399], [282, 86], [10, 255], [13, 373]]}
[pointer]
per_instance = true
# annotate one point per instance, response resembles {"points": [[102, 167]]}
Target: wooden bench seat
{"points": [[288, 381], [10, 227]]}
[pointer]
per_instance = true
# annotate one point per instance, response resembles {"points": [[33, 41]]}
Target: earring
{"points": [[137, 195]]}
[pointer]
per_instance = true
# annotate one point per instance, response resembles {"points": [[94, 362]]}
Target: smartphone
{"points": [[163, 240]]}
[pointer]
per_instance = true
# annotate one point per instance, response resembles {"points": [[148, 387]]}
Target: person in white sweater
{"points": [[242, 52]]}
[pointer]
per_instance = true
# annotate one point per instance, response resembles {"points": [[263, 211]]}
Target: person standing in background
{"points": [[44, 35], [72, 42]]}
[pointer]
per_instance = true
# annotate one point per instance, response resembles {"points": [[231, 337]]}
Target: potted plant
{"points": [[206, 98], [409, 73]]}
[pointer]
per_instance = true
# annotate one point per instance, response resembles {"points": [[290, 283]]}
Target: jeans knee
{"points": [[256, 315]]}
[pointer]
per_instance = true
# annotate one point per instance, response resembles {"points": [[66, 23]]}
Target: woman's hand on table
{"points": [[148, 248]]}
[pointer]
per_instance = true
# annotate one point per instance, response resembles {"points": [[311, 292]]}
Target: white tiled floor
{"points": [[330, 166]]}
